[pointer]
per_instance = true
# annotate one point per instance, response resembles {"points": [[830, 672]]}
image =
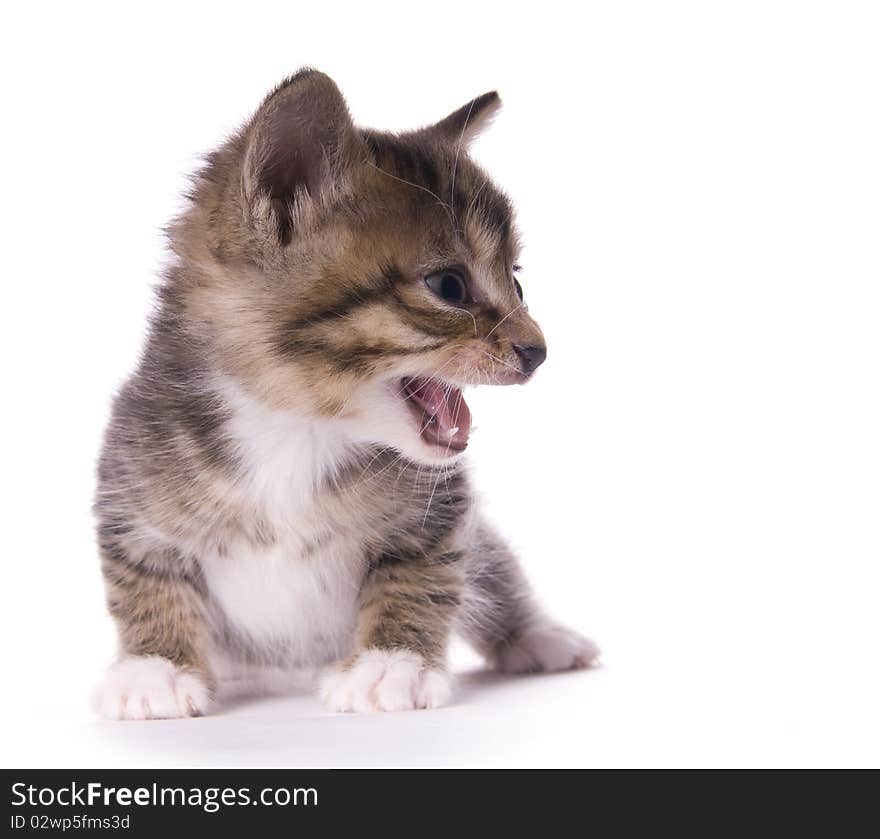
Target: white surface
{"points": [[693, 476]]}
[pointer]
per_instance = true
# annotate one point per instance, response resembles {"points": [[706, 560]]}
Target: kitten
{"points": [[281, 483]]}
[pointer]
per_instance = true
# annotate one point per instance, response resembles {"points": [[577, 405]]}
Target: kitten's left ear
{"points": [[301, 145], [469, 120]]}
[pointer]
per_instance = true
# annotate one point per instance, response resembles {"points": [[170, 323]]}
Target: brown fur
{"points": [[299, 276]]}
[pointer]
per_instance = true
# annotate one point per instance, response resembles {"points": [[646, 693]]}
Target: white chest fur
{"points": [[301, 610], [295, 599]]}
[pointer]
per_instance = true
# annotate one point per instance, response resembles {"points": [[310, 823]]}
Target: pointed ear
{"points": [[468, 121], [300, 145]]}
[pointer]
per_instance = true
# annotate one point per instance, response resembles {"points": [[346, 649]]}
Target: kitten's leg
{"points": [[407, 609], [162, 672], [503, 622]]}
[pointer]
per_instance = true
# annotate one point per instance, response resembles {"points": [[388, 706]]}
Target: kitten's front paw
{"points": [[150, 688], [385, 680], [547, 648]]}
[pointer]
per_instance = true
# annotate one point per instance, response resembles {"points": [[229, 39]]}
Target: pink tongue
{"points": [[446, 404]]}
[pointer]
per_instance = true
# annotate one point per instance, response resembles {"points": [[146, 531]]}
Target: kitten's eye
{"points": [[516, 285], [449, 284]]}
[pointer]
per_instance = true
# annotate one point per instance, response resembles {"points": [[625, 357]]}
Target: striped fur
{"points": [[263, 495]]}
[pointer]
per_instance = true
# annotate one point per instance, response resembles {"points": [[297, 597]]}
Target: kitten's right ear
{"points": [[300, 145], [463, 125]]}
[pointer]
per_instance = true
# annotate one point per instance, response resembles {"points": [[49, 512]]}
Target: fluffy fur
{"points": [[267, 496]]}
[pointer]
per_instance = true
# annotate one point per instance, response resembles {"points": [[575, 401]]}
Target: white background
{"points": [[694, 476]]}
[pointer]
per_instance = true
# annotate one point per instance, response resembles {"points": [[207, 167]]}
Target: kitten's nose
{"points": [[531, 357]]}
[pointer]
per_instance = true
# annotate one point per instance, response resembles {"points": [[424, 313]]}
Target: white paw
{"points": [[150, 688], [384, 680], [546, 648]]}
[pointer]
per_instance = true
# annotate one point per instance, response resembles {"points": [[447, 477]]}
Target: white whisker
{"points": [[457, 153], [440, 201], [512, 311]]}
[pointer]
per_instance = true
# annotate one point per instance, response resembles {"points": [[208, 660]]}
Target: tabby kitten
{"points": [[281, 483]]}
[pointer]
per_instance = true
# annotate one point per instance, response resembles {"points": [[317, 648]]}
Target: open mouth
{"points": [[439, 408]]}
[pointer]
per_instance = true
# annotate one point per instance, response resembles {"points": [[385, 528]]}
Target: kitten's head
{"points": [[359, 275]]}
